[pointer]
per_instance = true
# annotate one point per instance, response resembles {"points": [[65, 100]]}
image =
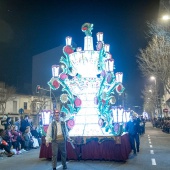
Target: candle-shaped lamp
{"points": [[99, 36], [55, 70], [109, 65], [68, 40]]}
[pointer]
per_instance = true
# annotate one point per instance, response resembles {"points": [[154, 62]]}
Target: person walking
{"points": [[132, 127], [57, 134]]}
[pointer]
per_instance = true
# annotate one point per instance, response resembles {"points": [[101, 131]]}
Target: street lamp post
{"points": [[153, 111], [158, 103], [155, 89]]}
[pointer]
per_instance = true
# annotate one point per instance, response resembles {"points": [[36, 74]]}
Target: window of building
{"points": [[34, 107], [15, 107], [25, 105]]}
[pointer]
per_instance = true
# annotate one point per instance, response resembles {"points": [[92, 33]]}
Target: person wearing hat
{"points": [[57, 134]]}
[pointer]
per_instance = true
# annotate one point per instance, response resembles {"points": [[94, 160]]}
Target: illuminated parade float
{"points": [[89, 84]]}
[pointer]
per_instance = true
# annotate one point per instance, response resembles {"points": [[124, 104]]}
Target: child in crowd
{"points": [[36, 134], [28, 141], [16, 140]]}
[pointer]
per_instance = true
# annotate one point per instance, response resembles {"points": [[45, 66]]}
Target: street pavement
{"points": [[154, 155]]}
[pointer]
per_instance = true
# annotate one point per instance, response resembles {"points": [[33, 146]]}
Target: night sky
{"points": [[29, 27]]}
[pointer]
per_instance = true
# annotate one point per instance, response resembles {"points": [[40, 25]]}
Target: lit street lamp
{"points": [[166, 17], [155, 89], [158, 103], [154, 79]]}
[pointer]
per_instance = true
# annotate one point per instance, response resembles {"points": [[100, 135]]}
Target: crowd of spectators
{"points": [[163, 123], [19, 136]]}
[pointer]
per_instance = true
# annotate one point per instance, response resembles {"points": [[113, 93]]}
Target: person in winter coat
{"points": [[133, 128]]}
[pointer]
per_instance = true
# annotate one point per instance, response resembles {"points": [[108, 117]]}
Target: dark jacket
{"points": [[24, 124], [54, 130], [132, 127]]}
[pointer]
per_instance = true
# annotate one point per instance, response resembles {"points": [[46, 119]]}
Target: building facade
{"points": [[21, 105], [41, 67]]}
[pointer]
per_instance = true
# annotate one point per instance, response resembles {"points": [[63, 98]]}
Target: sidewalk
{"points": [[3, 155]]}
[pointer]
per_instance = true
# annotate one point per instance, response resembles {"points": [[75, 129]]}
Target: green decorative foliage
{"points": [[87, 29], [65, 110], [71, 108], [43, 133], [101, 62]]}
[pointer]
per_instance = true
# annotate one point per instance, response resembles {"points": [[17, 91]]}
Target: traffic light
{"points": [[38, 89]]}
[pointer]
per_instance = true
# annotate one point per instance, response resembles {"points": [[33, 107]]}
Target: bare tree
{"points": [[6, 94], [159, 29], [155, 60], [40, 102], [150, 97]]}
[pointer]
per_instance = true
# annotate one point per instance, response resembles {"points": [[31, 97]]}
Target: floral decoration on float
{"points": [[64, 98], [70, 123], [56, 84], [77, 102]]}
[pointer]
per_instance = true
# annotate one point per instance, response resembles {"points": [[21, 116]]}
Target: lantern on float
{"points": [[109, 65], [119, 77], [68, 40], [107, 48], [55, 70]]}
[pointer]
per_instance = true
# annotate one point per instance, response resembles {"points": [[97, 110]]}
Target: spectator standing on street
{"points": [[132, 127], [3, 121], [57, 134], [8, 122], [24, 124], [143, 122]]}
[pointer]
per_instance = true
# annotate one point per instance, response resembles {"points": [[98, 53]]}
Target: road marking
{"points": [[148, 135], [161, 137], [153, 161], [150, 146], [150, 142], [151, 151], [59, 166], [149, 139]]}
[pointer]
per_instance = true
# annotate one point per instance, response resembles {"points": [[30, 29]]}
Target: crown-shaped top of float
{"points": [[87, 28]]}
